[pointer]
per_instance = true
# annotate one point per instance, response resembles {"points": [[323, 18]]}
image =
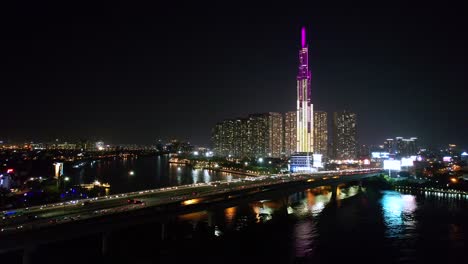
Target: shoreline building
{"points": [[344, 135], [290, 133], [258, 135], [320, 133]]}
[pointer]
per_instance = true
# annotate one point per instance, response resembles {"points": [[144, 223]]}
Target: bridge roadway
{"points": [[22, 228]]}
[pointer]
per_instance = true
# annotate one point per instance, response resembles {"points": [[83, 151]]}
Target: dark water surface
{"points": [[142, 173]]}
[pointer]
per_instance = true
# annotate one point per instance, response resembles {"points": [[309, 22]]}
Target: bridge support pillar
{"points": [[105, 243], [211, 219], [334, 189], [28, 254], [163, 231]]}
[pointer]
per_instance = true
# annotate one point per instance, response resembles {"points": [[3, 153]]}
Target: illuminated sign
{"points": [[392, 165], [406, 162], [447, 159], [317, 160], [380, 155], [58, 166]]}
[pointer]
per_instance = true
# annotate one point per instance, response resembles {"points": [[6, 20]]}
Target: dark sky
{"points": [[130, 73]]}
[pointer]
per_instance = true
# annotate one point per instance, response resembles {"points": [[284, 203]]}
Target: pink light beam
{"points": [[303, 37]]}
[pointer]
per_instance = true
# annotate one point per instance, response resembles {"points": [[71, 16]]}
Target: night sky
{"points": [[129, 73]]}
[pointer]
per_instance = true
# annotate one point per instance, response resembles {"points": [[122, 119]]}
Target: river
{"points": [[142, 173], [362, 225]]}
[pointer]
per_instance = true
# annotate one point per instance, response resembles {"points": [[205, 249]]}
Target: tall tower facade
{"points": [[304, 117], [320, 133]]}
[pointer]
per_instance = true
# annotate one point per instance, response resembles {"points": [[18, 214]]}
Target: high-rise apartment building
{"points": [[290, 133], [344, 135], [320, 133], [275, 128], [259, 135]]}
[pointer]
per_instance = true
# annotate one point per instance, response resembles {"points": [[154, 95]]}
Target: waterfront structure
{"points": [[258, 135], [344, 135], [320, 133], [304, 105], [290, 133]]}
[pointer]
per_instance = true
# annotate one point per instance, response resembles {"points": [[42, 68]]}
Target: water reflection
{"points": [[206, 176], [229, 216], [398, 212], [150, 172], [305, 232]]}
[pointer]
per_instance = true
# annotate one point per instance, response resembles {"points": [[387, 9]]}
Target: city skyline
{"points": [[118, 80]]}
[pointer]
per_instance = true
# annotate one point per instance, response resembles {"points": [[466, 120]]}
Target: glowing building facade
{"points": [[344, 135], [304, 107], [320, 133], [290, 133], [258, 135]]}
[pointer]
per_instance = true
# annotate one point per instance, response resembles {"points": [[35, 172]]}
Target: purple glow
{"points": [[303, 37]]}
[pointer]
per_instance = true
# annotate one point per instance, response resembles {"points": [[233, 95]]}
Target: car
{"points": [[134, 201]]}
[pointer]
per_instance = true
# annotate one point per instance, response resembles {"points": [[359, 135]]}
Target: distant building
{"points": [[275, 128], [344, 135], [6, 181], [364, 151], [320, 133], [290, 133], [259, 135], [389, 145], [402, 147]]}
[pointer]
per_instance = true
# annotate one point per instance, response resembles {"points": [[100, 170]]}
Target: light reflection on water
{"points": [[398, 212], [305, 233], [149, 173]]}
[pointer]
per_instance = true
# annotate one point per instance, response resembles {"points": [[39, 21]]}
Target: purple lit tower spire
{"points": [[304, 106]]}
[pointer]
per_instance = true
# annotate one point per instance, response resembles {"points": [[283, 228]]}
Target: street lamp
{"points": [[260, 160]]}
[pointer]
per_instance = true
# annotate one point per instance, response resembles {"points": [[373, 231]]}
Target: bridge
{"points": [[29, 228]]}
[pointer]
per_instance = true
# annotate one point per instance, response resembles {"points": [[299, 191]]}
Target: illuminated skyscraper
{"points": [[290, 133], [344, 135], [320, 133], [304, 107]]}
